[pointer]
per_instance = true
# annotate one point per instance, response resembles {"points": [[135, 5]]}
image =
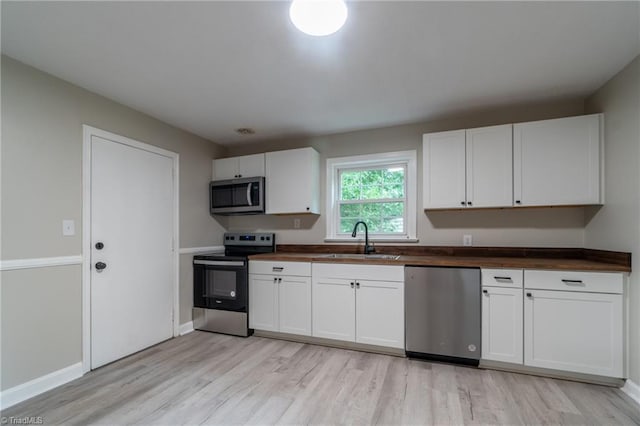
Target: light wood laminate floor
{"points": [[207, 378]]}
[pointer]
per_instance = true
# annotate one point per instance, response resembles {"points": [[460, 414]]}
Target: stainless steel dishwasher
{"points": [[443, 313]]}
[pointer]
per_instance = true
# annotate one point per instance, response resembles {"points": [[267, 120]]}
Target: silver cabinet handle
{"points": [[573, 282], [249, 194], [357, 285], [277, 268], [352, 284], [507, 279]]}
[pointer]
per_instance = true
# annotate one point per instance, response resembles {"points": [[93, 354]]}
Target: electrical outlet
{"points": [[296, 223], [467, 240], [68, 228]]}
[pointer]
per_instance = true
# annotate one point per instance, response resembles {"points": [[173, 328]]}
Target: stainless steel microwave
{"points": [[237, 196]]}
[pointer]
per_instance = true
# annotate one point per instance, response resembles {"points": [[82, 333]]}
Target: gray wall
{"points": [[530, 227], [42, 119], [616, 226]]}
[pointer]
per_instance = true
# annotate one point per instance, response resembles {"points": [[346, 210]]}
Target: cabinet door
{"points": [[557, 162], [293, 181], [263, 302], [502, 324], [333, 309], [489, 153], [573, 331], [380, 313], [225, 168], [443, 162], [251, 165], [295, 305]]}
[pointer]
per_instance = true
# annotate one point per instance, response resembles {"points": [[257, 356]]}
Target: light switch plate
{"points": [[68, 228], [467, 240]]}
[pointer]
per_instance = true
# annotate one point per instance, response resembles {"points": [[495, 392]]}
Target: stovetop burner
{"points": [[238, 246]]}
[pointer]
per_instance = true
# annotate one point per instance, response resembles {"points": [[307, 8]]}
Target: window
{"points": [[378, 189]]}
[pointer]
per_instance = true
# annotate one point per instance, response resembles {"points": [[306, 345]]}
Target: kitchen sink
{"points": [[361, 256]]}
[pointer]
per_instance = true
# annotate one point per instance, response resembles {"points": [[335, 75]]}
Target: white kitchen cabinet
{"points": [[571, 326], [502, 315], [558, 162], [444, 178], [263, 302], [359, 303], [468, 168], [334, 308], [294, 303], [502, 334], [293, 181], [280, 296], [380, 313], [490, 166], [239, 167]]}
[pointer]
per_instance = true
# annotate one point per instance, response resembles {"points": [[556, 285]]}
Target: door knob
{"points": [[100, 266], [99, 246]]}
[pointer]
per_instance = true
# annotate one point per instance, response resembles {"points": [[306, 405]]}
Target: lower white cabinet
{"points": [[263, 302], [502, 324], [280, 302], [502, 332], [574, 331], [294, 305], [563, 320], [334, 308], [359, 303]]}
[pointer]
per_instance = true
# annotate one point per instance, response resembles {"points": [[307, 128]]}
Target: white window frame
{"points": [[334, 165]]}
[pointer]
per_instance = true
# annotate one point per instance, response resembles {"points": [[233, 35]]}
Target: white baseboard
{"points": [[633, 390], [39, 385], [186, 328]]}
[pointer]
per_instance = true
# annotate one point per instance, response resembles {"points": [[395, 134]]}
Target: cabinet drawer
{"points": [[302, 269], [592, 282], [362, 272], [502, 278]]}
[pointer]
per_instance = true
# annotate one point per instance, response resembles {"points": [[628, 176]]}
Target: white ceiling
{"points": [[211, 67]]}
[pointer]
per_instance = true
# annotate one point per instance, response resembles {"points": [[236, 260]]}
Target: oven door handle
{"points": [[249, 193], [218, 262]]}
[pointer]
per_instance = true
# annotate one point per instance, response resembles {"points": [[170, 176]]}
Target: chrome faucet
{"points": [[368, 249]]}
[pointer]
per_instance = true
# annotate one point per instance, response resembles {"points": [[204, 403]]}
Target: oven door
{"points": [[220, 284]]}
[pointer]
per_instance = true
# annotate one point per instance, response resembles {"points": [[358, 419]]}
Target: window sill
{"points": [[371, 240]]}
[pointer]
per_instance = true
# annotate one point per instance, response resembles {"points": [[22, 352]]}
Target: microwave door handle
{"points": [[249, 193]]}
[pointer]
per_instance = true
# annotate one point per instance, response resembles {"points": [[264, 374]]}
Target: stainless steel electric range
{"points": [[221, 283]]}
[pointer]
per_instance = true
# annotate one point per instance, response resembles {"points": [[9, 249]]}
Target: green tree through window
{"points": [[376, 196]]}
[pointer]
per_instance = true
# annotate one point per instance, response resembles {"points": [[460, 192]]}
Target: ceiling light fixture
{"points": [[318, 17], [246, 131]]}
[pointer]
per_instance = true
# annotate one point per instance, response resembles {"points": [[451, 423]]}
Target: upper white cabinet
{"points": [[490, 166], [468, 168], [444, 170], [238, 167], [557, 162], [293, 181]]}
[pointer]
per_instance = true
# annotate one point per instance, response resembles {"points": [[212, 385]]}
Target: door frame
{"points": [[87, 133]]}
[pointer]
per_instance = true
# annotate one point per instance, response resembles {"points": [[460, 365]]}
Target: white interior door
{"points": [[132, 212]]}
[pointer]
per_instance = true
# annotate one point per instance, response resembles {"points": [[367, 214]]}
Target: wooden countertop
{"points": [[572, 259]]}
